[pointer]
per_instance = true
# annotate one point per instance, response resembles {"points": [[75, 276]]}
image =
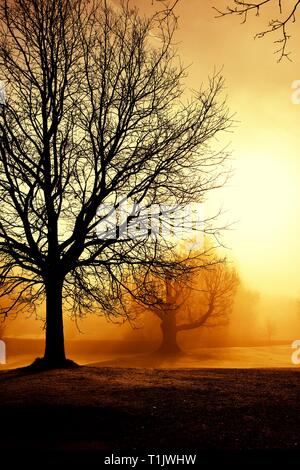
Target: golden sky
{"points": [[264, 194]]}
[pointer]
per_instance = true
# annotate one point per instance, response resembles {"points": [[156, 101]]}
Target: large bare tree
{"points": [[280, 26], [95, 110]]}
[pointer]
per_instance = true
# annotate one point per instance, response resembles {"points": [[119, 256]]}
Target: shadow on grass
{"points": [[39, 365], [156, 359]]}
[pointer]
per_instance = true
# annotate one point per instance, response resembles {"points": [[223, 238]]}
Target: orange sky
{"points": [[264, 194]]}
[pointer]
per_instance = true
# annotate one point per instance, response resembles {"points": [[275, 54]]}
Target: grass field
{"points": [[234, 404], [81, 415]]}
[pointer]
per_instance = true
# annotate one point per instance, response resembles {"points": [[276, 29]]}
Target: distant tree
{"points": [[287, 12], [95, 109], [202, 298], [270, 328]]}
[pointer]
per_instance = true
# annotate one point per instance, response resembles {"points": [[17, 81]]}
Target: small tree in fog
{"points": [[270, 328], [95, 109], [202, 298]]}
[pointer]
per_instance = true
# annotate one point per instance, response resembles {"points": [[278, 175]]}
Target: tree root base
{"points": [[169, 352], [40, 364]]}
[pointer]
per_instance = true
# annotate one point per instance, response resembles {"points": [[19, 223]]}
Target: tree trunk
{"points": [[169, 343], [55, 348]]}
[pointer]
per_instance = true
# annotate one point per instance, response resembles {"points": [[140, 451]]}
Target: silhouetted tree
{"points": [[202, 298], [287, 12], [95, 109]]}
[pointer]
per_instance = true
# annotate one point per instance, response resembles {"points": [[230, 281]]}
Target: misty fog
{"points": [[259, 333]]}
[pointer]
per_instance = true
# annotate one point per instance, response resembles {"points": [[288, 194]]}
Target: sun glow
{"points": [[265, 198]]}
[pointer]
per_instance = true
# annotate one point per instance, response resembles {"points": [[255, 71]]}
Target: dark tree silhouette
{"points": [[95, 109], [287, 12], [203, 297]]}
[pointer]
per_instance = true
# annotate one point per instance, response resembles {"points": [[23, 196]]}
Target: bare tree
{"points": [[95, 109], [287, 12], [202, 297]]}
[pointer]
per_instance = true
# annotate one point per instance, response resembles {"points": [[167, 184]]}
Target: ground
{"points": [[138, 354], [82, 415]]}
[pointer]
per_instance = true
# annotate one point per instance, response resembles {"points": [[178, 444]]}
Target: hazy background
{"points": [[263, 196]]}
